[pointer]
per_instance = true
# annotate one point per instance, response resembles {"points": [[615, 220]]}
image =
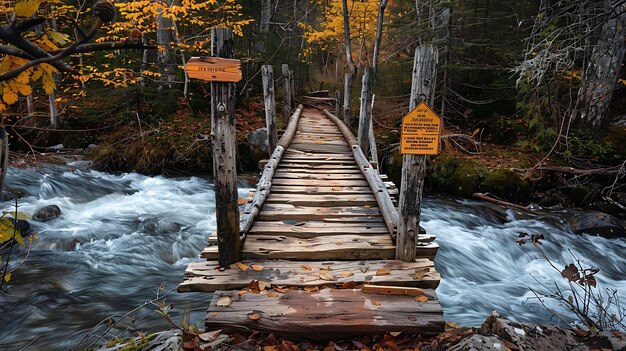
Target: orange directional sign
{"points": [[214, 69], [420, 131]]}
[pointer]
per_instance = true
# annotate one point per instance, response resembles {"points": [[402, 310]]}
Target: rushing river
{"points": [[121, 237]]}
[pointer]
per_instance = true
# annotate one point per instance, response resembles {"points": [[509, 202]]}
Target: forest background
{"points": [[522, 85]]}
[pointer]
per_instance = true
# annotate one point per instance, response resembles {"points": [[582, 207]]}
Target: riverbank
{"points": [[495, 334]]}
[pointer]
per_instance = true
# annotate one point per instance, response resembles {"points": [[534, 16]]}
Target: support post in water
{"points": [[414, 166], [287, 104], [224, 145], [267, 73]]}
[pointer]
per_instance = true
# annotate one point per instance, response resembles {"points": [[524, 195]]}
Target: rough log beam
{"points": [[253, 208], [388, 210]]}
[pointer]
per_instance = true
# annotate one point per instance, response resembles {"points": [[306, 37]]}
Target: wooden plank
{"points": [[320, 162], [327, 313], [332, 247], [203, 276], [328, 176], [354, 170], [322, 200], [284, 211], [311, 228], [349, 165], [333, 183], [392, 290], [321, 190]]}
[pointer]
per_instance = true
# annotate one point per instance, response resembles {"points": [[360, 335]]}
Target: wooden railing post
{"points": [[347, 88], [365, 111], [337, 103], [414, 166], [287, 104], [267, 72], [224, 147], [292, 81]]}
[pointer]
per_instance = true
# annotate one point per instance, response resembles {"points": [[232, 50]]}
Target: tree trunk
{"points": [[603, 71], [165, 37], [379, 35], [349, 77], [224, 145], [414, 166], [266, 14]]}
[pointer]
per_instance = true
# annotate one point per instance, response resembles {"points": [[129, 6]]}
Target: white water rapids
{"points": [[121, 236]]}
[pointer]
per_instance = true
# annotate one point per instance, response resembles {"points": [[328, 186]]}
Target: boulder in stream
{"points": [[532, 337], [257, 142], [597, 223], [479, 342], [47, 213]]}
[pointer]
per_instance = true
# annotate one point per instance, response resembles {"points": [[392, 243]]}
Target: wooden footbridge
{"points": [[318, 246]]}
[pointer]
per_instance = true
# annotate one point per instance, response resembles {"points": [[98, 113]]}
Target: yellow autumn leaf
{"points": [[241, 266], [383, 272], [7, 277], [347, 274], [421, 298], [9, 96], [27, 8], [326, 276], [257, 267], [59, 38]]}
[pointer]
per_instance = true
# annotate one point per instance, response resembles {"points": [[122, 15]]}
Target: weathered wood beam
{"points": [[287, 103], [365, 110], [267, 74], [414, 166], [385, 203], [224, 148], [265, 183]]}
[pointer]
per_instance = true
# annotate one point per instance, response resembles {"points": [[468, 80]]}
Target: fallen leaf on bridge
{"points": [[326, 276], [257, 267], [383, 271], [306, 268], [347, 274], [254, 317], [224, 301], [421, 298], [241, 266]]}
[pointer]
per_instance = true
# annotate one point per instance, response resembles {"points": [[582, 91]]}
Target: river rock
{"points": [[597, 223], [257, 141], [531, 337], [478, 342], [47, 213]]}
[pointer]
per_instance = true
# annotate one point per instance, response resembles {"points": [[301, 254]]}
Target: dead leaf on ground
{"points": [[311, 289], [257, 267], [452, 325], [348, 285], [325, 268], [383, 271], [363, 269], [326, 276], [347, 274], [421, 273], [281, 290], [253, 286], [254, 317], [241, 266], [224, 301], [272, 294], [421, 298], [210, 336], [367, 206], [264, 285], [241, 292], [306, 268]]}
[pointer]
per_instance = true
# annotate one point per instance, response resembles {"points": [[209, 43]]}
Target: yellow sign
{"points": [[420, 131], [214, 69]]}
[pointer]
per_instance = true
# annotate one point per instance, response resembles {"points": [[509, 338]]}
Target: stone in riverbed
{"points": [[47, 213], [597, 223], [531, 337], [257, 142], [478, 342]]}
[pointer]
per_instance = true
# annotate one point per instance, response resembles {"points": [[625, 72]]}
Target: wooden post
{"points": [[287, 94], [292, 81], [347, 88], [4, 156], [224, 145], [337, 102], [267, 73], [365, 110], [414, 166]]}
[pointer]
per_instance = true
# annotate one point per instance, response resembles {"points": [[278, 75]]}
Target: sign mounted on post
{"points": [[420, 131], [214, 69]]}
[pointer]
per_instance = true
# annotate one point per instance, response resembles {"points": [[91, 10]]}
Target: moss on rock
{"points": [[506, 184], [467, 177]]}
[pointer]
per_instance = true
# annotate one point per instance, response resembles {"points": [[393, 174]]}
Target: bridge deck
{"points": [[321, 215]]}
